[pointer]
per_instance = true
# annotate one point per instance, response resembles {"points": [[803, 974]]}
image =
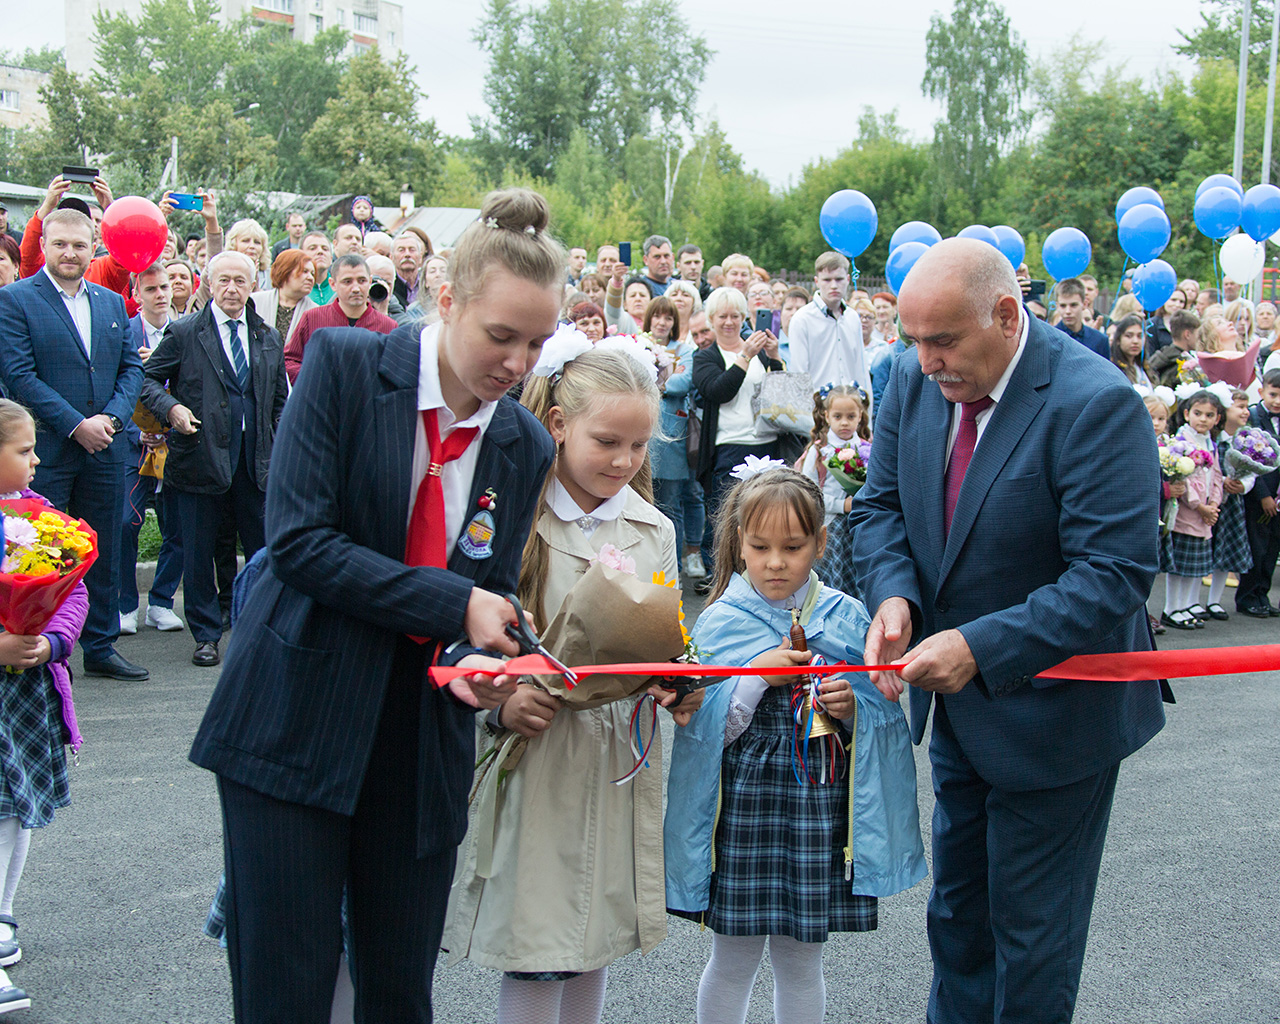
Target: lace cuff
{"points": [[736, 722]]}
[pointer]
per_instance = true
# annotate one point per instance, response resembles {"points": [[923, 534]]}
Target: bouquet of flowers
{"points": [[1189, 371], [1252, 451], [850, 465], [1179, 458], [46, 553]]}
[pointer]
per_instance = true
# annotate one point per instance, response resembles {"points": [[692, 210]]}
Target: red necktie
{"points": [[962, 453], [425, 544]]}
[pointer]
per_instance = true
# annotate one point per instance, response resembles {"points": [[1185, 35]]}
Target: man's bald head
{"points": [[978, 270]]}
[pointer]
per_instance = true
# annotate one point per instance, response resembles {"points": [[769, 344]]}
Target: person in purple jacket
{"points": [[37, 719]]}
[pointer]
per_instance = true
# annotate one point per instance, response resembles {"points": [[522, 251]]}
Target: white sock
{"points": [[1171, 592], [1180, 592], [14, 874], [529, 1002], [725, 988], [799, 991], [1217, 586], [583, 998], [14, 841]]}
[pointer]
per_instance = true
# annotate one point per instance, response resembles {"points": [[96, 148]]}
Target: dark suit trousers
{"points": [[1264, 542], [1014, 874], [286, 866], [91, 488], [201, 516]]}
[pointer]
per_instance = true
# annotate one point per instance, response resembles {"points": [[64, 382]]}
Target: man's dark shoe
{"points": [[206, 654], [1273, 611], [116, 667], [1254, 610], [226, 621]]}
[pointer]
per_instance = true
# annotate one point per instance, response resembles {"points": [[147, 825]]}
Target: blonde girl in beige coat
{"points": [[577, 877]]}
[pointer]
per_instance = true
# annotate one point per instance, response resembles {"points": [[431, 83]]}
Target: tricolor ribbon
{"points": [[1120, 667]]}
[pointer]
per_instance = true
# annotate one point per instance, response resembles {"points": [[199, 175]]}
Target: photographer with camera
{"points": [[350, 308]]}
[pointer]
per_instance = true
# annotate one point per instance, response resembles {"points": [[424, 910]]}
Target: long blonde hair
{"points": [[753, 499], [596, 374]]}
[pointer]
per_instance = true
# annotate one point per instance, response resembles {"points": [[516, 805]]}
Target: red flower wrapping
{"points": [[28, 603]]}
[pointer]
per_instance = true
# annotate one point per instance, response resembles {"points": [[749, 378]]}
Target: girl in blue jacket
{"points": [[751, 850]]}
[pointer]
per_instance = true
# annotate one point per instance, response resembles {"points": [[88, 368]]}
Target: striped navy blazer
{"points": [[296, 710]]}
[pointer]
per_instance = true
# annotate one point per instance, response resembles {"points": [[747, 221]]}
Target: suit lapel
{"points": [[395, 414], [493, 466], [50, 293], [1009, 420], [933, 458], [100, 323]]}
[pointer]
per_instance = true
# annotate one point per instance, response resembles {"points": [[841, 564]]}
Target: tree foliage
{"points": [[1217, 37]]}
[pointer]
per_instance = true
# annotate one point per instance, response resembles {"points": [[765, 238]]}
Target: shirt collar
{"points": [[221, 318], [796, 600], [567, 510], [80, 286], [821, 303], [1024, 327], [429, 394]]}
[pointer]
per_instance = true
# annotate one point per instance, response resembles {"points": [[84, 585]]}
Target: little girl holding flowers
{"points": [[36, 715], [576, 879]]}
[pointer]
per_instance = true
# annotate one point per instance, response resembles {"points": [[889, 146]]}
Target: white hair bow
{"points": [[754, 466], [564, 346], [632, 346]]}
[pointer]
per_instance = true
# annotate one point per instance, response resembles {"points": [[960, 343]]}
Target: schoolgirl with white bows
{"points": [[577, 879]]}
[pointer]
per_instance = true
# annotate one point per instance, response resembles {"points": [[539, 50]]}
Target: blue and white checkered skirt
{"points": [[33, 761], [1181, 554], [780, 844], [1230, 541]]}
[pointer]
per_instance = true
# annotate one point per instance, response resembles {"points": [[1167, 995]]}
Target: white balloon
{"points": [[1242, 258]]}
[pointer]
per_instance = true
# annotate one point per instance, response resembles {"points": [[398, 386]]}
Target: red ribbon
{"points": [[1122, 667]]}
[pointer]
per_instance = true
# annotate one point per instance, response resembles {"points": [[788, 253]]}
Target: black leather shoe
{"points": [[1273, 611], [226, 621], [1178, 620], [206, 654], [1216, 611], [116, 667], [1254, 611]]}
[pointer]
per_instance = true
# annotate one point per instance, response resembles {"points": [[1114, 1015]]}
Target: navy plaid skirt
{"points": [[780, 845], [33, 762], [1230, 541], [1185, 555], [836, 567]]}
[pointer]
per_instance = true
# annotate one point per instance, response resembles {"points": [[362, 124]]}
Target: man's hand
{"points": [[23, 651], [529, 710], [182, 420], [57, 189], [887, 641], [102, 192], [94, 433], [942, 663], [486, 620], [482, 691]]}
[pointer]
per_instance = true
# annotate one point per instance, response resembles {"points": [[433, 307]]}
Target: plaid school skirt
{"points": [[1184, 555], [33, 761], [1230, 541], [780, 844]]}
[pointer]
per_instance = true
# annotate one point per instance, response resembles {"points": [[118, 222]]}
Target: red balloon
{"points": [[134, 232]]}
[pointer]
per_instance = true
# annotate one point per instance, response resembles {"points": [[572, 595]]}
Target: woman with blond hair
{"points": [[247, 236]]}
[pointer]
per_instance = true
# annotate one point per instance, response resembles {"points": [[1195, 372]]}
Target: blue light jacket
{"points": [[887, 852]]}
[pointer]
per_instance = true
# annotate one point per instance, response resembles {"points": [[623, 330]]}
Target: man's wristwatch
{"points": [[116, 425]]}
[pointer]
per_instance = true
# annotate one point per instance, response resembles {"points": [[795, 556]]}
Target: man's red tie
{"points": [[962, 453], [425, 544]]}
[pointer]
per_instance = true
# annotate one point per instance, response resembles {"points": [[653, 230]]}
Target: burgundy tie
{"points": [[962, 453]]}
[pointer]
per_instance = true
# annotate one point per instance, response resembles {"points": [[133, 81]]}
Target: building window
{"points": [[282, 6], [317, 5], [366, 26], [359, 48], [317, 24], [342, 16], [9, 99], [391, 39]]}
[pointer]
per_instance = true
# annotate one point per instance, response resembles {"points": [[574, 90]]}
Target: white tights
{"points": [[14, 843], [799, 991], [579, 1000], [1180, 592], [1217, 585]]}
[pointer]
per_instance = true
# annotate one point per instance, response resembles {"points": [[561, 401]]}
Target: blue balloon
{"points": [[1009, 242], [1260, 213], [1217, 211], [900, 262], [915, 231], [1066, 253], [980, 232], [1136, 197], [1219, 181], [1144, 233], [1153, 283], [848, 221]]}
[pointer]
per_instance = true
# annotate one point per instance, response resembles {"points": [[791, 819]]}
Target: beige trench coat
{"points": [[577, 878]]}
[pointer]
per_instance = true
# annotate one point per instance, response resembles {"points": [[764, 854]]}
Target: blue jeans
{"points": [[681, 502], [137, 489]]}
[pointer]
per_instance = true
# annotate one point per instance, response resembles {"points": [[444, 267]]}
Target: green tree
{"points": [[370, 137], [978, 67], [613, 68], [44, 59], [1217, 37]]}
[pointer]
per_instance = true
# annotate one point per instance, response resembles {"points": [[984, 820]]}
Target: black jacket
{"points": [[716, 385], [190, 361]]}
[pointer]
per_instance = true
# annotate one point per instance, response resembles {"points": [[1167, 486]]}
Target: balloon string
{"points": [[1120, 284]]}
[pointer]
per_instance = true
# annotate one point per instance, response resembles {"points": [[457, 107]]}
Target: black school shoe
{"points": [[1216, 611], [1199, 611], [1178, 620], [12, 997]]}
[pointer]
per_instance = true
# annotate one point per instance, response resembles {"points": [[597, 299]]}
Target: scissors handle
{"points": [[520, 631]]}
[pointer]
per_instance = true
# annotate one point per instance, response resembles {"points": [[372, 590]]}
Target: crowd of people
{"points": [[338, 410]]}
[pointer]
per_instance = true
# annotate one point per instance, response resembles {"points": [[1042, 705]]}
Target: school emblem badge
{"points": [[477, 539]]}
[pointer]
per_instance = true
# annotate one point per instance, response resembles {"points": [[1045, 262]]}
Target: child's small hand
{"points": [[1232, 486], [688, 706], [23, 652], [1177, 490], [1209, 513], [836, 694], [1268, 507], [529, 710], [781, 657]]}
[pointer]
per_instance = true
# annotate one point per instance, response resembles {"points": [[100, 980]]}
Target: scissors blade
{"points": [[559, 665]]}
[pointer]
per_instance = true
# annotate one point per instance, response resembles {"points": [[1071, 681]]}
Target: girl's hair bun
{"points": [[516, 209]]}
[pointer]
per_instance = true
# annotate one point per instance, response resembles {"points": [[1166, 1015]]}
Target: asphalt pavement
{"points": [[1184, 925]]}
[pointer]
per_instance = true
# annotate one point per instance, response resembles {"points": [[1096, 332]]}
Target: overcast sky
{"points": [[786, 88]]}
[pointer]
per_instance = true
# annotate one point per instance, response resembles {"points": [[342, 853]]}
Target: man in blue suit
{"points": [[1007, 523], [65, 353]]}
